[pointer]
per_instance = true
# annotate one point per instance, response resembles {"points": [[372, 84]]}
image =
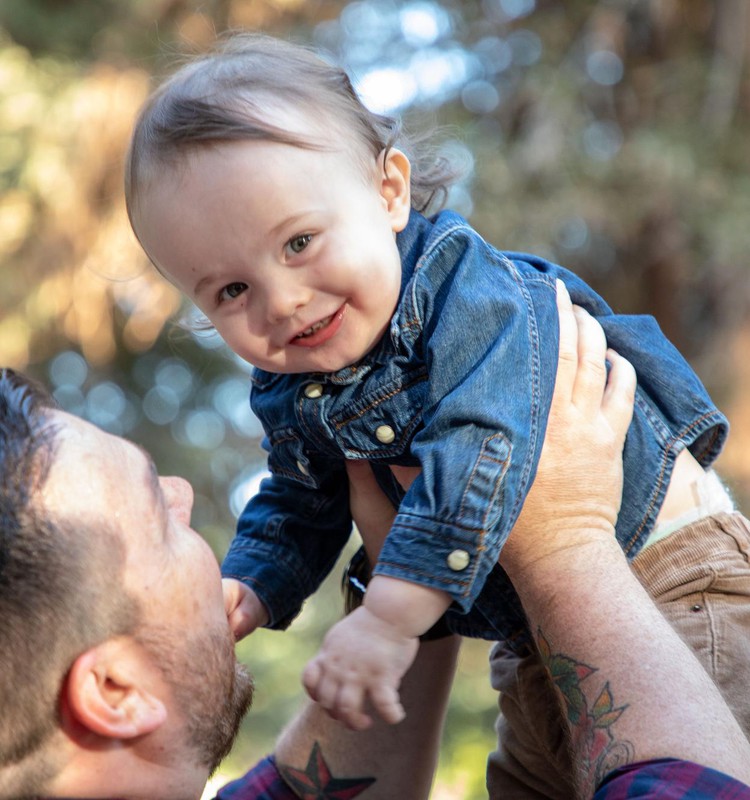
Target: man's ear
{"points": [[395, 186], [106, 691]]}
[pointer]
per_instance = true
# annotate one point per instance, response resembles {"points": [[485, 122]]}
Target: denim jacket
{"points": [[459, 385]]}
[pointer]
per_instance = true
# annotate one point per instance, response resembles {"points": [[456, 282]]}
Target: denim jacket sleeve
{"points": [[477, 321], [289, 537]]}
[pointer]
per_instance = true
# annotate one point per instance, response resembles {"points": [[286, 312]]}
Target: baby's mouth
{"points": [[321, 331], [314, 328]]}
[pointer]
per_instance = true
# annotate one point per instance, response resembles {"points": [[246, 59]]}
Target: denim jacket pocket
{"points": [[381, 424], [287, 458]]}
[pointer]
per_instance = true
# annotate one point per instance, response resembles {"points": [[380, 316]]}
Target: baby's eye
{"points": [[231, 290], [299, 243]]}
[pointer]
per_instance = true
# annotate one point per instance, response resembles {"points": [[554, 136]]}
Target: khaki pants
{"points": [[699, 577]]}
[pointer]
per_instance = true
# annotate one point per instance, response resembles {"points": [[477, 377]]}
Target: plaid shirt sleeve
{"points": [[670, 779], [263, 782], [666, 779]]}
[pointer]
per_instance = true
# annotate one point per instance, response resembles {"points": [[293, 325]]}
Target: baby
{"points": [[261, 187]]}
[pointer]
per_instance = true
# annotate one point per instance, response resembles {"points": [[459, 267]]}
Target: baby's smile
{"points": [[314, 327], [321, 331]]}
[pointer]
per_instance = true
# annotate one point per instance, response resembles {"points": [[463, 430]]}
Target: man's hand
{"points": [[245, 611], [577, 489], [362, 658]]}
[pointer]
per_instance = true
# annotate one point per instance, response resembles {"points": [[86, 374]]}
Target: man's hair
{"points": [[58, 587], [232, 94]]}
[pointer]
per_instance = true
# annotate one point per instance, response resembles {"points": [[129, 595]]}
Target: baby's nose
{"points": [[284, 299]]}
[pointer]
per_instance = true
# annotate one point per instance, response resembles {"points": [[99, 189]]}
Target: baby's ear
{"points": [[395, 186]]}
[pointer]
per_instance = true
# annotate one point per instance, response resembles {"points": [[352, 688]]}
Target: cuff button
{"points": [[458, 560]]}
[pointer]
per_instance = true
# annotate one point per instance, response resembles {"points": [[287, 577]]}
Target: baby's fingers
{"points": [[311, 679], [387, 703], [348, 707], [240, 623], [323, 686]]}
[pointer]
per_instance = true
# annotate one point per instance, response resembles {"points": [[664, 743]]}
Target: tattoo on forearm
{"points": [[315, 781], [596, 748]]}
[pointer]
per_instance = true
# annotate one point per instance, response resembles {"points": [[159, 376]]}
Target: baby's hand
{"points": [[362, 658], [245, 611]]}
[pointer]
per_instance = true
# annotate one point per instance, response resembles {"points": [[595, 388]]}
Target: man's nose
{"points": [[179, 496]]}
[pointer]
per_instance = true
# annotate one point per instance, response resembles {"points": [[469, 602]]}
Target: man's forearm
{"points": [[615, 662], [388, 761]]}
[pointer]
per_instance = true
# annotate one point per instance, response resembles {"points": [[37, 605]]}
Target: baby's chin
{"points": [[298, 364]]}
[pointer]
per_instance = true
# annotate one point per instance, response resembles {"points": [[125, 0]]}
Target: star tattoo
{"points": [[315, 782]]}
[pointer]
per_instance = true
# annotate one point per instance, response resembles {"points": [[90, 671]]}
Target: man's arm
{"points": [[388, 761], [630, 689]]}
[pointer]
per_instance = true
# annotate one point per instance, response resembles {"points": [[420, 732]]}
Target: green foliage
{"points": [[68, 29]]}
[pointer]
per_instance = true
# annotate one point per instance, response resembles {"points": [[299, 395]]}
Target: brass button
{"points": [[313, 390], [458, 560], [385, 434], [302, 468]]}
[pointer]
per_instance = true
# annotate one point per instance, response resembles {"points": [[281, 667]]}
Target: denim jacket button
{"points": [[458, 560], [302, 468], [313, 390], [385, 434]]}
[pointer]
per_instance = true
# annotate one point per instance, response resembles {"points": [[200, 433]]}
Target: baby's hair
{"points": [[231, 95]]}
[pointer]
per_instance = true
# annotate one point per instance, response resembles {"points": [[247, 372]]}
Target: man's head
{"points": [[117, 666]]}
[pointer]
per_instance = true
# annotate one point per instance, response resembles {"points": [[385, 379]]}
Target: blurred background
{"points": [[611, 137]]}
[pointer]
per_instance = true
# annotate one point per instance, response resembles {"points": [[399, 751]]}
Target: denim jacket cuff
{"points": [[437, 555]]}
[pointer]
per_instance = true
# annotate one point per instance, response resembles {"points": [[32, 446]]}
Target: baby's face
{"points": [[289, 252]]}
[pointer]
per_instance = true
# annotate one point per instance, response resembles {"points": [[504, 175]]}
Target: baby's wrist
{"points": [[354, 584]]}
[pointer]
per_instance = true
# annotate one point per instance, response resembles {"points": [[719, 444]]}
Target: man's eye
{"points": [[299, 243], [232, 290]]}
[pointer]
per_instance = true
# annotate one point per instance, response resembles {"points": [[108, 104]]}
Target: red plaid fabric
{"points": [[670, 779], [648, 780]]}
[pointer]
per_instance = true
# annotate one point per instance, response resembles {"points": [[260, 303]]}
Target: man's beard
{"points": [[212, 691]]}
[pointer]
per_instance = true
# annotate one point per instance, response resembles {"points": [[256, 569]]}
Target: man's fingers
{"points": [[567, 363], [591, 376], [619, 393]]}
